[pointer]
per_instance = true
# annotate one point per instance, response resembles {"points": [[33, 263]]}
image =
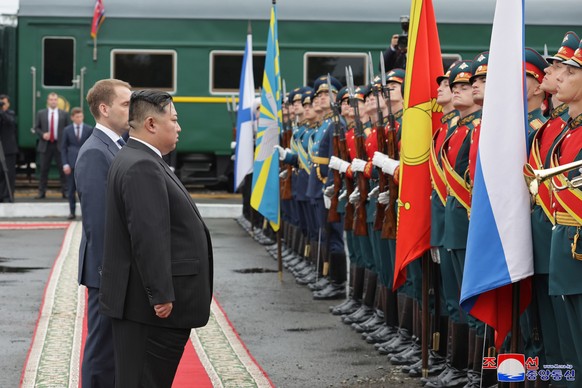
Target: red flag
{"points": [[98, 17], [421, 116]]}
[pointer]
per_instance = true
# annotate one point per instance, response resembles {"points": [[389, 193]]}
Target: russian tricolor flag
{"points": [[499, 247]]}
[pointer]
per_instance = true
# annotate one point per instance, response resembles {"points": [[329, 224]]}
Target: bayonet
{"points": [[370, 68]]}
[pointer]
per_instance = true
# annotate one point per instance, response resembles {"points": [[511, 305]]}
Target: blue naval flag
{"points": [[243, 162]]}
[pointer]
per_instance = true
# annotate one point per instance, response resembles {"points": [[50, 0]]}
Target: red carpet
{"points": [[215, 356]]}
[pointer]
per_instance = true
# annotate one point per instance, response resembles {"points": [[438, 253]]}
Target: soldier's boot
{"points": [[471, 374], [479, 377], [385, 332], [448, 355], [301, 264], [377, 318], [457, 374], [395, 303], [437, 353], [413, 353], [355, 301], [336, 288], [350, 289], [404, 338], [366, 309]]}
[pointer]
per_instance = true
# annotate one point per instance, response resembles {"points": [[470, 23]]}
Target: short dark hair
{"points": [[4, 96], [144, 103], [76, 110]]}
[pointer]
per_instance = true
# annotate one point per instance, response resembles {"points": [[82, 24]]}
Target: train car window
{"points": [[58, 61], [449, 59], [146, 69], [225, 67], [321, 63]]}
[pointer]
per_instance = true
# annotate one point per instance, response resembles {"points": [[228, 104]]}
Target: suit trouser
{"points": [[72, 189], [146, 356], [46, 158], [11, 166], [98, 369]]}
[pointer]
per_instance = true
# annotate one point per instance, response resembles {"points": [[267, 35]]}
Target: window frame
{"points": [[352, 54], [74, 39], [174, 54], [211, 56]]}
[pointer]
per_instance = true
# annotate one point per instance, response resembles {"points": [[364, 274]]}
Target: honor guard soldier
{"points": [[455, 159], [534, 74], [555, 331], [566, 246], [449, 290], [320, 150]]}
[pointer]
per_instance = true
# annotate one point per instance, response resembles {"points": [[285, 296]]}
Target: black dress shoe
{"points": [[385, 334], [332, 291], [370, 325], [436, 364], [319, 284], [346, 308], [407, 358], [71, 217], [360, 315], [454, 378], [400, 343], [40, 196], [305, 280]]}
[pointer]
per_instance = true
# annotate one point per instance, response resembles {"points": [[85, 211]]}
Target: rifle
{"points": [[389, 225], [349, 182], [360, 220], [333, 215], [381, 140], [286, 193]]}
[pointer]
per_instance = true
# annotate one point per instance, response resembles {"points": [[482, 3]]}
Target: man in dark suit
{"points": [[109, 104], [50, 123], [73, 138], [8, 136], [157, 266]]}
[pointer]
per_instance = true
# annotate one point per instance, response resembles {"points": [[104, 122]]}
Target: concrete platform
{"points": [[61, 209]]}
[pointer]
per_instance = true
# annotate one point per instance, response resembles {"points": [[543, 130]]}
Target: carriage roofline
{"points": [[554, 12]]}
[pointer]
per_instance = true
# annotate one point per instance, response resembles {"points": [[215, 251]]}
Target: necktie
{"points": [[121, 142], [52, 128], [77, 132]]}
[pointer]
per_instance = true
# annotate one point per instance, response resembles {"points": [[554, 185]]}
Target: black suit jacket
{"points": [[157, 247], [42, 126], [8, 132], [70, 145]]}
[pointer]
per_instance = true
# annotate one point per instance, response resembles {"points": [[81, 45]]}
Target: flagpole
{"points": [[95, 49], [515, 322], [425, 316]]}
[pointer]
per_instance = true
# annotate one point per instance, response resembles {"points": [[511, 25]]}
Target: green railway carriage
{"points": [[193, 49]]}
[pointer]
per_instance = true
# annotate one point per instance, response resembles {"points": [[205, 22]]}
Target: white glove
{"points": [[358, 165], [343, 194], [282, 152], [435, 255], [233, 157], [328, 191], [326, 201], [384, 198], [283, 174], [378, 159], [232, 145], [374, 193], [390, 165], [355, 196], [338, 164]]}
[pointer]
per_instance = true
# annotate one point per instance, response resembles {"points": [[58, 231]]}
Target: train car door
{"points": [[60, 72]]}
